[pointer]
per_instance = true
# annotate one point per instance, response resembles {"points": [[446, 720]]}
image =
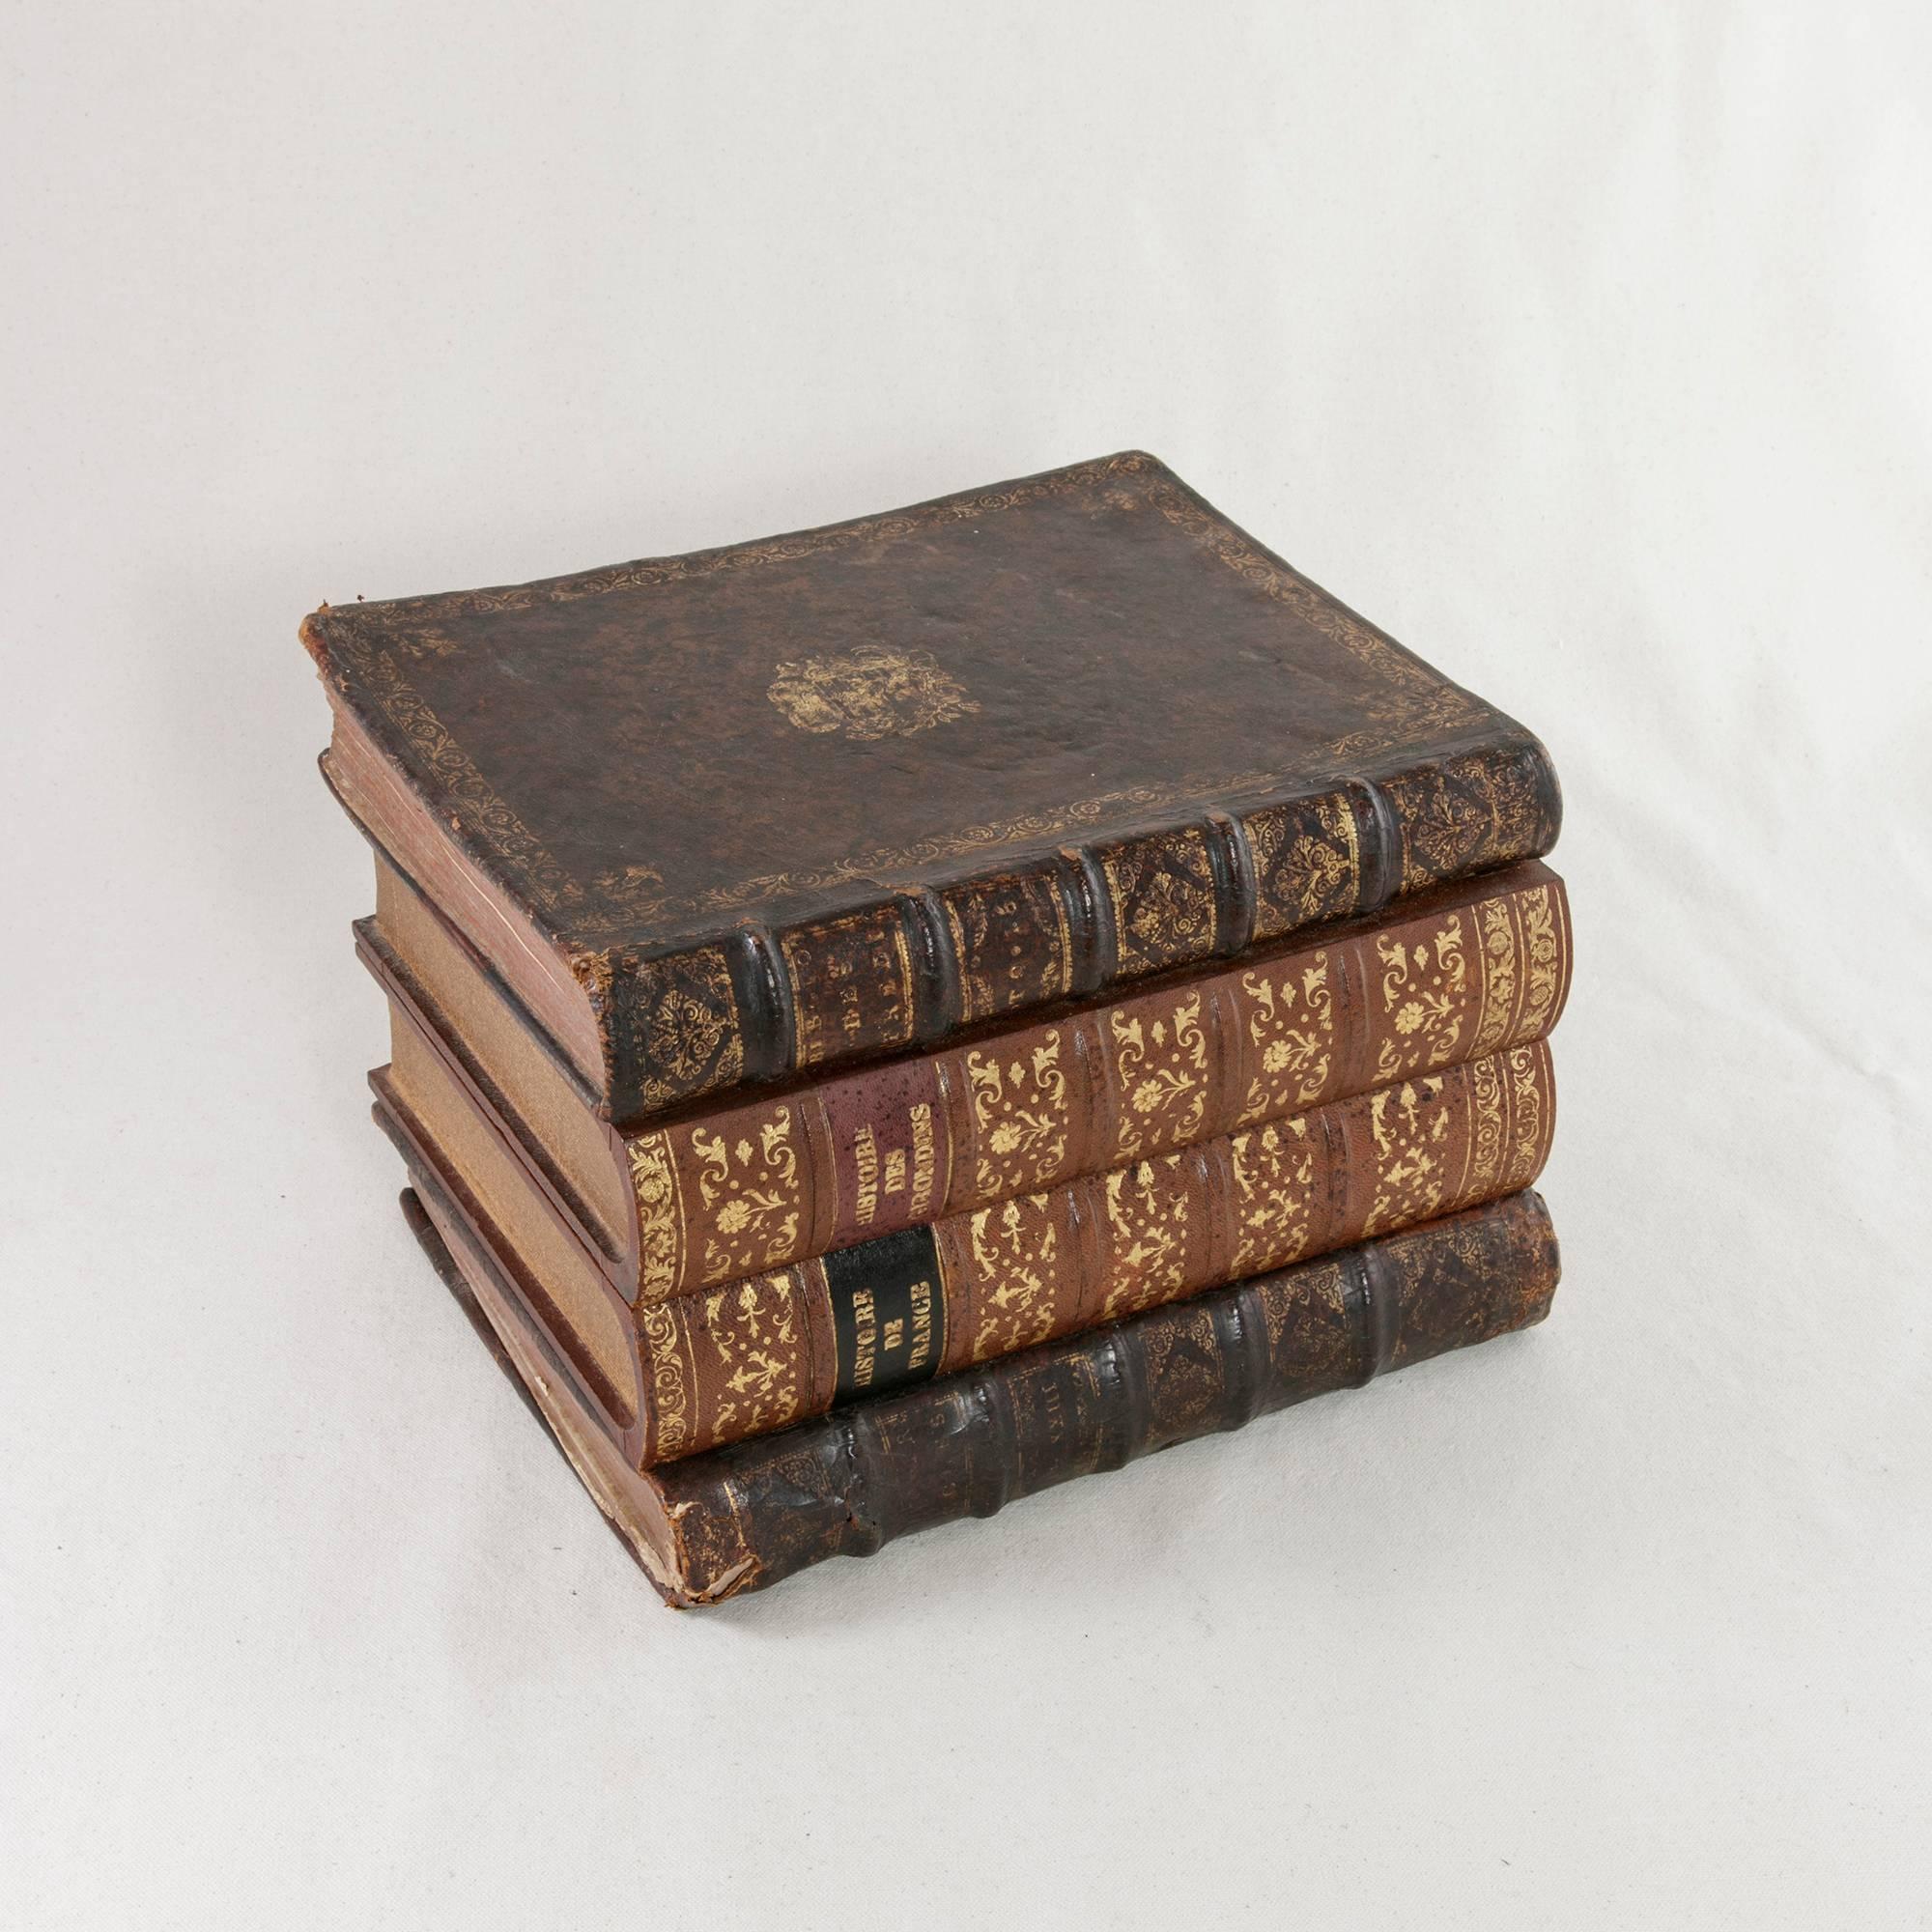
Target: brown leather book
{"points": [[674, 1378], [716, 1193], [741, 1518], [720, 818]]}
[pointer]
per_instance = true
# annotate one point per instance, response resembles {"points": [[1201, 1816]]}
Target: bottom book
{"points": [[717, 1525]]}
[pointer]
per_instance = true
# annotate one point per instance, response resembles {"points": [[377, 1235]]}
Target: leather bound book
{"points": [[678, 1377], [723, 818], [716, 1193], [718, 1526]]}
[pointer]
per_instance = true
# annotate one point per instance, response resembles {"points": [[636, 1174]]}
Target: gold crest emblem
{"points": [[869, 692]]}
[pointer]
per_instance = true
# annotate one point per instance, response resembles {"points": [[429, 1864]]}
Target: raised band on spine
{"points": [[994, 1446], [1378, 840], [862, 1534], [1090, 921], [1236, 891], [938, 995], [763, 991], [1376, 1297]]}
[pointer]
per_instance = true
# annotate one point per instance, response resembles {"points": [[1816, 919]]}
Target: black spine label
{"points": [[888, 1312]]}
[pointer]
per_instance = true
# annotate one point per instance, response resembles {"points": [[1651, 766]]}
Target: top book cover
{"points": [[727, 817]]}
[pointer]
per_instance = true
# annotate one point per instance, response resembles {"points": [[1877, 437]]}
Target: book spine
{"points": [[750, 1515], [864, 1154], [761, 1354], [908, 969]]}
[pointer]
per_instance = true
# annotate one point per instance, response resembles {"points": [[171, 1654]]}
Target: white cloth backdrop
{"points": [[1583, 346]]}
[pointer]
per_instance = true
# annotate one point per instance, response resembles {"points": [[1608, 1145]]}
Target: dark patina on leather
{"points": [[790, 802]]}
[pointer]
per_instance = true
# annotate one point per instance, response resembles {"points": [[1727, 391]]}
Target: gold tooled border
{"points": [[1418, 698]]}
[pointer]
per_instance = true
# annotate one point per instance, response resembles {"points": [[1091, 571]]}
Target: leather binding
{"points": [[759, 1355], [723, 1192], [979, 749], [738, 1520]]}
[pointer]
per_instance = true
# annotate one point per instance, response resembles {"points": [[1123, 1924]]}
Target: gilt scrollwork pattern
{"points": [[686, 1026], [1528, 1067], [1544, 944], [1158, 1064], [1022, 1113], [1410, 1128], [660, 1224], [1288, 1012], [1015, 1250], [1147, 1211], [1499, 949], [662, 1336], [1488, 1120], [752, 1188], [1308, 862], [1422, 993], [759, 1366], [1478, 808], [1162, 891], [1274, 1171], [739, 1359]]}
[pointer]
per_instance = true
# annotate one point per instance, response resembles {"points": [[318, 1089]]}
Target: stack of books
{"points": [[889, 1018]]}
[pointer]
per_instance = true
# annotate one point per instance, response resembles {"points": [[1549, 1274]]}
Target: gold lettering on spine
{"points": [[925, 1162], [866, 1164], [851, 984], [864, 1337], [1000, 930], [654, 1180], [922, 1326]]}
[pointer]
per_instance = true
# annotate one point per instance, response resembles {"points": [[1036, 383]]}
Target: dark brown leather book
{"points": [[720, 818], [717, 1193], [674, 1378], [742, 1519]]}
